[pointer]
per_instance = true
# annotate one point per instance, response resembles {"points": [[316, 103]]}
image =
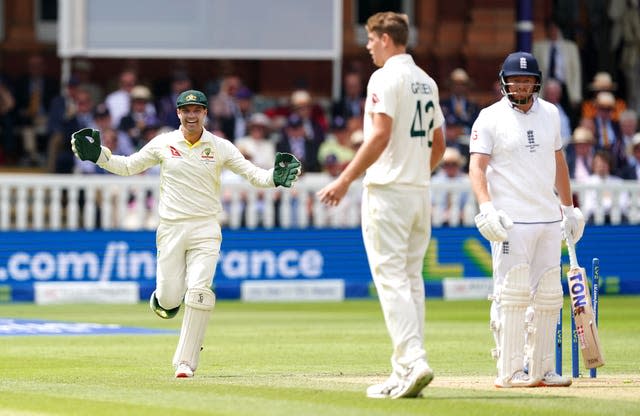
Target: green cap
{"points": [[190, 97]]}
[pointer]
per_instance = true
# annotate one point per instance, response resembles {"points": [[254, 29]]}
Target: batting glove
{"points": [[286, 169], [85, 144], [492, 224], [572, 223]]}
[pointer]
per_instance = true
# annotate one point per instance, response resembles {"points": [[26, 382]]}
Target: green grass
{"points": [[294, 359]]}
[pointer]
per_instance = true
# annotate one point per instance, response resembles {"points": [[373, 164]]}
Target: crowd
{"points": [[37, 117]]}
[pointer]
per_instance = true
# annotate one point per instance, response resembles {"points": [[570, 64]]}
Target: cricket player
{"points": [[520, 179], [403, 144], [188, 237]]}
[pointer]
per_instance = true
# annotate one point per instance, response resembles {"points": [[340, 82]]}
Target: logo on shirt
{"points": [[375, 98], [474, 135], [531, 142], [174, 152], [207, 155]]}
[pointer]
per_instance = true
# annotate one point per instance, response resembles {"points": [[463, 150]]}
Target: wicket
{"points": [[575, 359]]}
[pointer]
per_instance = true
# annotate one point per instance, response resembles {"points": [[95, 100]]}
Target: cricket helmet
{"points": [[523, 64]]}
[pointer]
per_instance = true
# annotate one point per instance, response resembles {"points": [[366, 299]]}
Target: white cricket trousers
{"points": [[396, 228], [188, 252]]}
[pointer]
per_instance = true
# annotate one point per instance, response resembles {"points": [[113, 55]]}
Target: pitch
{"points": [[292, 358]]}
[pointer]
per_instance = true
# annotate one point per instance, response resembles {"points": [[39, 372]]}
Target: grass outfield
{"points": [[295, 359]]}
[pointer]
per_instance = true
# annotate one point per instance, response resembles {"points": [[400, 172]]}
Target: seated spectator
{"points": [[167, 103], [458, 109], [313, 118], [607, 131], [33, 93], [142, 112], [244, 99], [338, 142], [552, 92], [257, 145], [604, 204], [294, 140], [633, 170], [580, 154], [102, 121], [118, 102], [351, 101], [628, 128], [448, 207], [602, 82], [224, 106]]}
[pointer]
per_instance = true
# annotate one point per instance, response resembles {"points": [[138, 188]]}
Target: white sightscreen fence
{"points": [[201, 29]]}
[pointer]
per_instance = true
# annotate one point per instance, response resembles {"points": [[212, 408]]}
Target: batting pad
{"points": [[512, 298], [198, 306], [541, 324]]}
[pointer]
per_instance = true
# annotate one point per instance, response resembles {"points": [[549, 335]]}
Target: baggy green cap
{"points": [[190, 97]]}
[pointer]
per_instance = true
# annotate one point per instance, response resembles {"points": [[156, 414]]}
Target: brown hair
{"points": [[396, 25]]}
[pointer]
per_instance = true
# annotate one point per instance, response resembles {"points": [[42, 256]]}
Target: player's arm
{"points": [[563, 184], [478, 163], [437, 148]]}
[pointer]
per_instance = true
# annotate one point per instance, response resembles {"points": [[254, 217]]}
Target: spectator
{"points": [[244, 99], [141, 114], [633, 172], [8, 148], [459, 110], [313, 118], [257, 146], [559, 59], [166, 104], [294, 140], [102, 120], [580, 154], [625, 41], [119, 101], [604, 204], [60, 159], [552, 92], [81, 71], [602, 82], [224, 106], [351, 102], [628, 128], [608, 134], [448, 207], [34, 92], [338, 143]]}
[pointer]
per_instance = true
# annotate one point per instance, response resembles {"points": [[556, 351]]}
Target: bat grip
{"points": [[573, 258]]}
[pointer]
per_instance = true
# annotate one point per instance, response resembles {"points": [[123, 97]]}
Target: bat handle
{"points": [[573, 258]]}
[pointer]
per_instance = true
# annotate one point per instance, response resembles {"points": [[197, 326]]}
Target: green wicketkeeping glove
{"points": [[85, 144], [286, 169]]}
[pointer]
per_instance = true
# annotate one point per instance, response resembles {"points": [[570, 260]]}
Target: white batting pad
{"points": [[511, 301], [541, 324], [198, 306]]}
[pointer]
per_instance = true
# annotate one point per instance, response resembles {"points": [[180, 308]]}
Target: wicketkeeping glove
{"points": [[492, 224], [286, 169], [572, 223], [85, 144]]}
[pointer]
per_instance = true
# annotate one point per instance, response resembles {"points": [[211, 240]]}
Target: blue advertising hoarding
{"points": [[279, 255]]}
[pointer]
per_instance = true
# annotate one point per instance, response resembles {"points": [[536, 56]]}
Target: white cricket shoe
{"points": [[518, 379], [382, 390], [411, 385], [553, 379], [184, 371]]}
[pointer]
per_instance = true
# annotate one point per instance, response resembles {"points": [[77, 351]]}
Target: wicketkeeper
{"points": [[188, 237]]}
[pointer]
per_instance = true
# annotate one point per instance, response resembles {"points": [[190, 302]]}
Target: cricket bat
{"points": [[585, 320]]}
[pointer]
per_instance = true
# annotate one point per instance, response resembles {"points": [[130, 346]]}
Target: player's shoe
{"points": [[382, 390], [518, 379], [411, 385], [159, 310], [553, 379], [184, 371]]}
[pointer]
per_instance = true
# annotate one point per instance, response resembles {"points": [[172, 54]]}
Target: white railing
{"points": [[71, 202]]}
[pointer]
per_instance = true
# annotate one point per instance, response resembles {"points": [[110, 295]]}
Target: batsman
{"points": [[188, 236], [521, 181]]}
